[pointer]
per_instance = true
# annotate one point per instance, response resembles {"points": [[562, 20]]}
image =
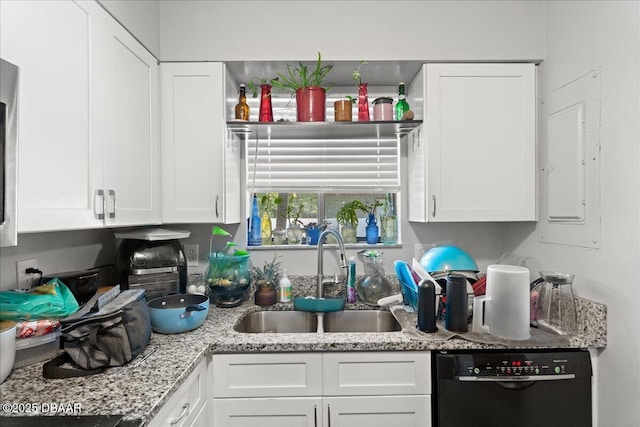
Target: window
{"points": [[320, 207], [317, 176]]}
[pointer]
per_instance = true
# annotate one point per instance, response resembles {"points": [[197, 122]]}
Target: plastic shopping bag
{"points": [[53, 300]]}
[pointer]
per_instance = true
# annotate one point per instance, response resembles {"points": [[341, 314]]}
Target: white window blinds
{"points": [[331, 165]]}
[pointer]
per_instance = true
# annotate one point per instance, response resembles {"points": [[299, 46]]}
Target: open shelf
{"points": [[330, 130]]}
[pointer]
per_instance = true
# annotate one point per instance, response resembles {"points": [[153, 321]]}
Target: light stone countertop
{"points": [[139, 392]]}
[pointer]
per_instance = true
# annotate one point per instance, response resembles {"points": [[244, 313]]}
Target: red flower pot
{"points": [[310, 104]]}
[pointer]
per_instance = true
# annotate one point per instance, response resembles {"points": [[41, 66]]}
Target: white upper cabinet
{"points": [[130, 128], [88, 117], [200, 159], [475, 157], [59, 157]]}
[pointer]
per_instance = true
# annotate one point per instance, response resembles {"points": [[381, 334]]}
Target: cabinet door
{"points": [[377, 411], [200, 162], [60, 165], [188, 406], [481, 142], [130, 125], [270, 412]]}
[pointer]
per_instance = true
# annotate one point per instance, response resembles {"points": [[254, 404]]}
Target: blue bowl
{"points": [[447, 258], [179, 313]]}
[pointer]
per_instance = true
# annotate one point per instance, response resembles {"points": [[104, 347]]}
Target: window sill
{"points": [[326, 245]]}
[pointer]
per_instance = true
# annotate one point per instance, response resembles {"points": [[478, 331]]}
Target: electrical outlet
{"points": [[191, 252], [24, 280], [419, 249]]}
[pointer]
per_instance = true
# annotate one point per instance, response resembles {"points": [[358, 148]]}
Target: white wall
{"points": [[351, 30], [57, 252], [140, 17], [581, 36]]}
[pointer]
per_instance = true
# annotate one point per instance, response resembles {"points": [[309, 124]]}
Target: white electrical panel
{"points": [[570, 164]]}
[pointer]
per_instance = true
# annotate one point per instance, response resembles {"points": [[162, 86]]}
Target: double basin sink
{"points": [[303, 321]]}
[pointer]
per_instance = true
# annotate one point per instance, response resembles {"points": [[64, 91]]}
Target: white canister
{"points": [[505, 307], [382, 109], [7, 348]]}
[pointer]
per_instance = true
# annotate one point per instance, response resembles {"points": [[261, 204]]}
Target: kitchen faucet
{"points": [[343, 258]]}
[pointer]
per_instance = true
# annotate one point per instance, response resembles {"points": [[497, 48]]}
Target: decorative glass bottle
{"points": [[402, 106], [255, 238], [388, 223], [363, 103], [242, 108], [372, 229], [266, 110], [265, 228]]}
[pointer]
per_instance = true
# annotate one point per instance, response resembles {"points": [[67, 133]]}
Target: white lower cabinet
{"points": [[322, 389], [190, 405]]}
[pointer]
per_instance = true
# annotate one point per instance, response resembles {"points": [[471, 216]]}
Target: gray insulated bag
{"points": [[95, 339]]}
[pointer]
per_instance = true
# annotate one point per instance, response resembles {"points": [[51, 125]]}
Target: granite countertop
{"points": [[139, 391]]}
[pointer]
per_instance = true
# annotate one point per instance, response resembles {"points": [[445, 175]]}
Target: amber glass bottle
{"points": [[242, 108]]}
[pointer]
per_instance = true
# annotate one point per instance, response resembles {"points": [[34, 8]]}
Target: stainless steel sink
{"points": [[260, 322], [360, 321], [278, 322]]}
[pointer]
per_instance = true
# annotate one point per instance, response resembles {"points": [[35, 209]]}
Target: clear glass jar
{"points": [[374, 285]]}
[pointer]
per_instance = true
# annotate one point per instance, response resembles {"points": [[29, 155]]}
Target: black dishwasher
{"points": [[507, 389]]}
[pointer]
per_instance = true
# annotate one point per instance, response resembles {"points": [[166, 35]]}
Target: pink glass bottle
{"points": [[363, 103]]}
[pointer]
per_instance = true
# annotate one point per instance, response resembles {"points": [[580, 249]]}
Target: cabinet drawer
{"points": [[376, 373], [265, 375], [268, 412], [187, 404], [377, 411]]}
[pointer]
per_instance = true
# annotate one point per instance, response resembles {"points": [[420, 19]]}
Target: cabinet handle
{"points": [[328, 415], [315, 415], [98, 194], [217, 203], [112, 194], [185, 411], [434, 206]]}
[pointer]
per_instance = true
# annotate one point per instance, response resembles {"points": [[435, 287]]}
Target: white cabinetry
{"points": [[322, 389], [189, 406], [88, 117], [200, 159], [475, 158], [130, 129]]}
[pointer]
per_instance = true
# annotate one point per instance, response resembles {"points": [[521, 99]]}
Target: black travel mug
{"points": [[427, 306], [455, 319]]}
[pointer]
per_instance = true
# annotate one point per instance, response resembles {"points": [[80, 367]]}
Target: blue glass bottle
{"points": [[372, 229], [255, 237]]}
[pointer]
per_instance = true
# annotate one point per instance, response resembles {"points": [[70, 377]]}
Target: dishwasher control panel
{"points": [[524, 365], [516, 364]]}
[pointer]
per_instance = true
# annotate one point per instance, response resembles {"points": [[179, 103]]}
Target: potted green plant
{"points": [[306, 85], [347, 217], [343, 109], [266, 280], [295, 228]]}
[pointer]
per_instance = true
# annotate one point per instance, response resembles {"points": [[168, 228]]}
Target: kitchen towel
{"points": [[539, 337]]}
